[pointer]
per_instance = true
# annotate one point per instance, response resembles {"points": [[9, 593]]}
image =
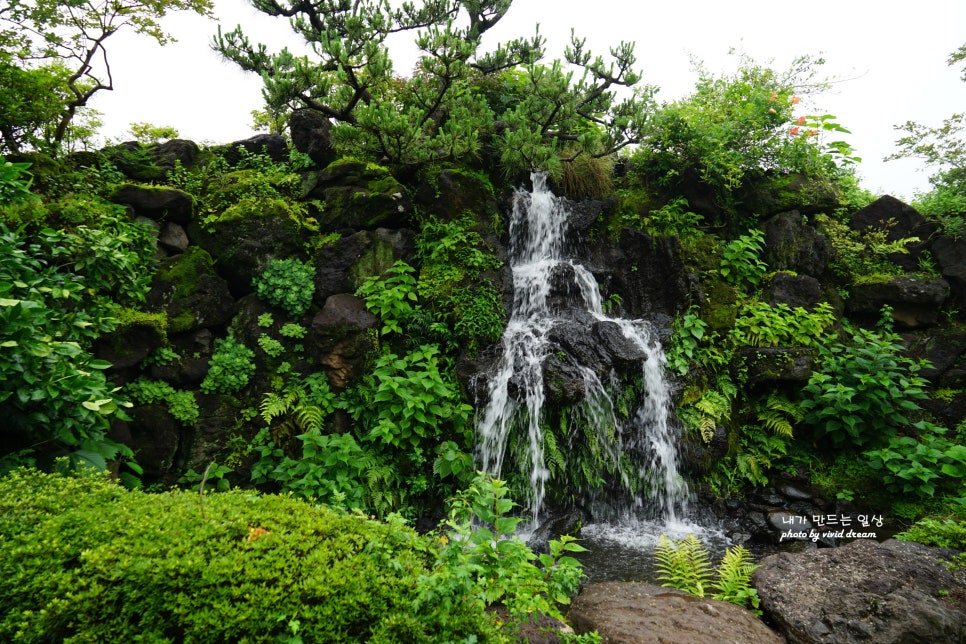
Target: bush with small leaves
{"points": [[288, 284], [84, 560], [230, 368]]}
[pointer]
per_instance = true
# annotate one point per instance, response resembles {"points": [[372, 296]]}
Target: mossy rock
{"points": [[247, 235], [454, 192], [136, 336], [358, 195], [187, 288], [720, 307], [343, 266]]}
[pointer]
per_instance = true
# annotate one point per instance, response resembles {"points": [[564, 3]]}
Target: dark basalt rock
{"points": [[187, 288], [342, 267], [310, 135], [863, 591], [635, 613], [777, 364], [159, 204], [271, 145], [915, 301], [357, 195], [793, 245], [646, 272], [794, 290], [339, 336], [899, 221]]}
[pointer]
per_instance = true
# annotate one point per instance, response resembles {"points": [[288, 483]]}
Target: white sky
{"points": [[892, 62]]}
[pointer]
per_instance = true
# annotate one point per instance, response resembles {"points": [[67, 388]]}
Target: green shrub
{"points": [[862, 391], [740, 260], [921, 465], [288, 284], [230, 368], [84, 560], [760, 324], [181, 404]]}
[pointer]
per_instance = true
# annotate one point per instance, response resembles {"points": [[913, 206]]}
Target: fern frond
{"points": [[309, 417], [683, 564], [273, 406], [707, 425], [775, 422]]}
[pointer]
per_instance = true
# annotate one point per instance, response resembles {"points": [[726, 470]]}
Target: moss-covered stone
{"points": [[358, 195], [187, 288]]}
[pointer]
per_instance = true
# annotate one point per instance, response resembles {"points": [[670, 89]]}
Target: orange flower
{"points": [[812, 132], [793, 131], [771, 110], [801, 120], [254, 533], [773, 96], [795, 100]]}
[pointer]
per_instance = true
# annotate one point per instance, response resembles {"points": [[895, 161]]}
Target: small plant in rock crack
{"points": [[288, 284]]}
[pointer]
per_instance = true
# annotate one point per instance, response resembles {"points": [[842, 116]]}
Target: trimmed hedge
{"points": [[84, 560]]}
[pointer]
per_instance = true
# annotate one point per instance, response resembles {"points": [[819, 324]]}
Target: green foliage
{"points": [[454, 256], [148, 133], [288, 284], [685, 564], [266, 320], [863, 390], [760, 324], [85, 560], [55, 300], [484, 557], [391, 297], [673, 218], [161, 356], [921, 465], [733, 129], [407, 400], [230, 368], [448, 108], [181, 404], [54, 60], [293, 331], [941, 533], [740, 260], [15, 182], [272, 347], [858, 254]]}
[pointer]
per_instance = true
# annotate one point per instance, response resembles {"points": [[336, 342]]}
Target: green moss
{"points": [[184, 273]]}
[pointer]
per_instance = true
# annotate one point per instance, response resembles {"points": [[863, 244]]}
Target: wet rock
{"points": [[899, 221], [173, 238], [915, 301], [777, 364], [358, 195], [621, 351], [563, 381], [342, 267], [950, 255], [155, 437], [339, 336], [206, 441], [635, 613], [310, 132], [793, 245], [862, 592], [794, 290], [158, 204], [187, 288], [130, 343], [646, 272]]}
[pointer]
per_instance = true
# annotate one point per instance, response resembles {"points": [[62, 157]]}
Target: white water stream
{"points": [[538, 243]]}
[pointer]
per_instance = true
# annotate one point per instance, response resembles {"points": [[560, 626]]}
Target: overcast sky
{"points": [[891, 63]]}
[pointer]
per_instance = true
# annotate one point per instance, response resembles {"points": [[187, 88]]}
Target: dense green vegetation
{"points": [[388, 431]]}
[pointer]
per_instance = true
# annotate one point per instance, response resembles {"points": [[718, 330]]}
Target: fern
{"points": [[779, 415], [734, 579], [684, 564]]}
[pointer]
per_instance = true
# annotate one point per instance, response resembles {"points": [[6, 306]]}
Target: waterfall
{"points": [[552, 291]]}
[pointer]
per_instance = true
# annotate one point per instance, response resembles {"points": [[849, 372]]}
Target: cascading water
{"points": [[517, 391]]}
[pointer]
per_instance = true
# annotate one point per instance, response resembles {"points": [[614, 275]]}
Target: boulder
{"points": [[777, 364], [173, 238], [189, 291], [206, 442], [915, 301], [636, 613], [131, 341], [158, 204], [155, 437], [950, 255], [794, 290], [357, 195], [271, 145], [342, 267], [899, 221], [310, 135], [793, 245], [646, 272], [341, 334], [863, 592]]}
